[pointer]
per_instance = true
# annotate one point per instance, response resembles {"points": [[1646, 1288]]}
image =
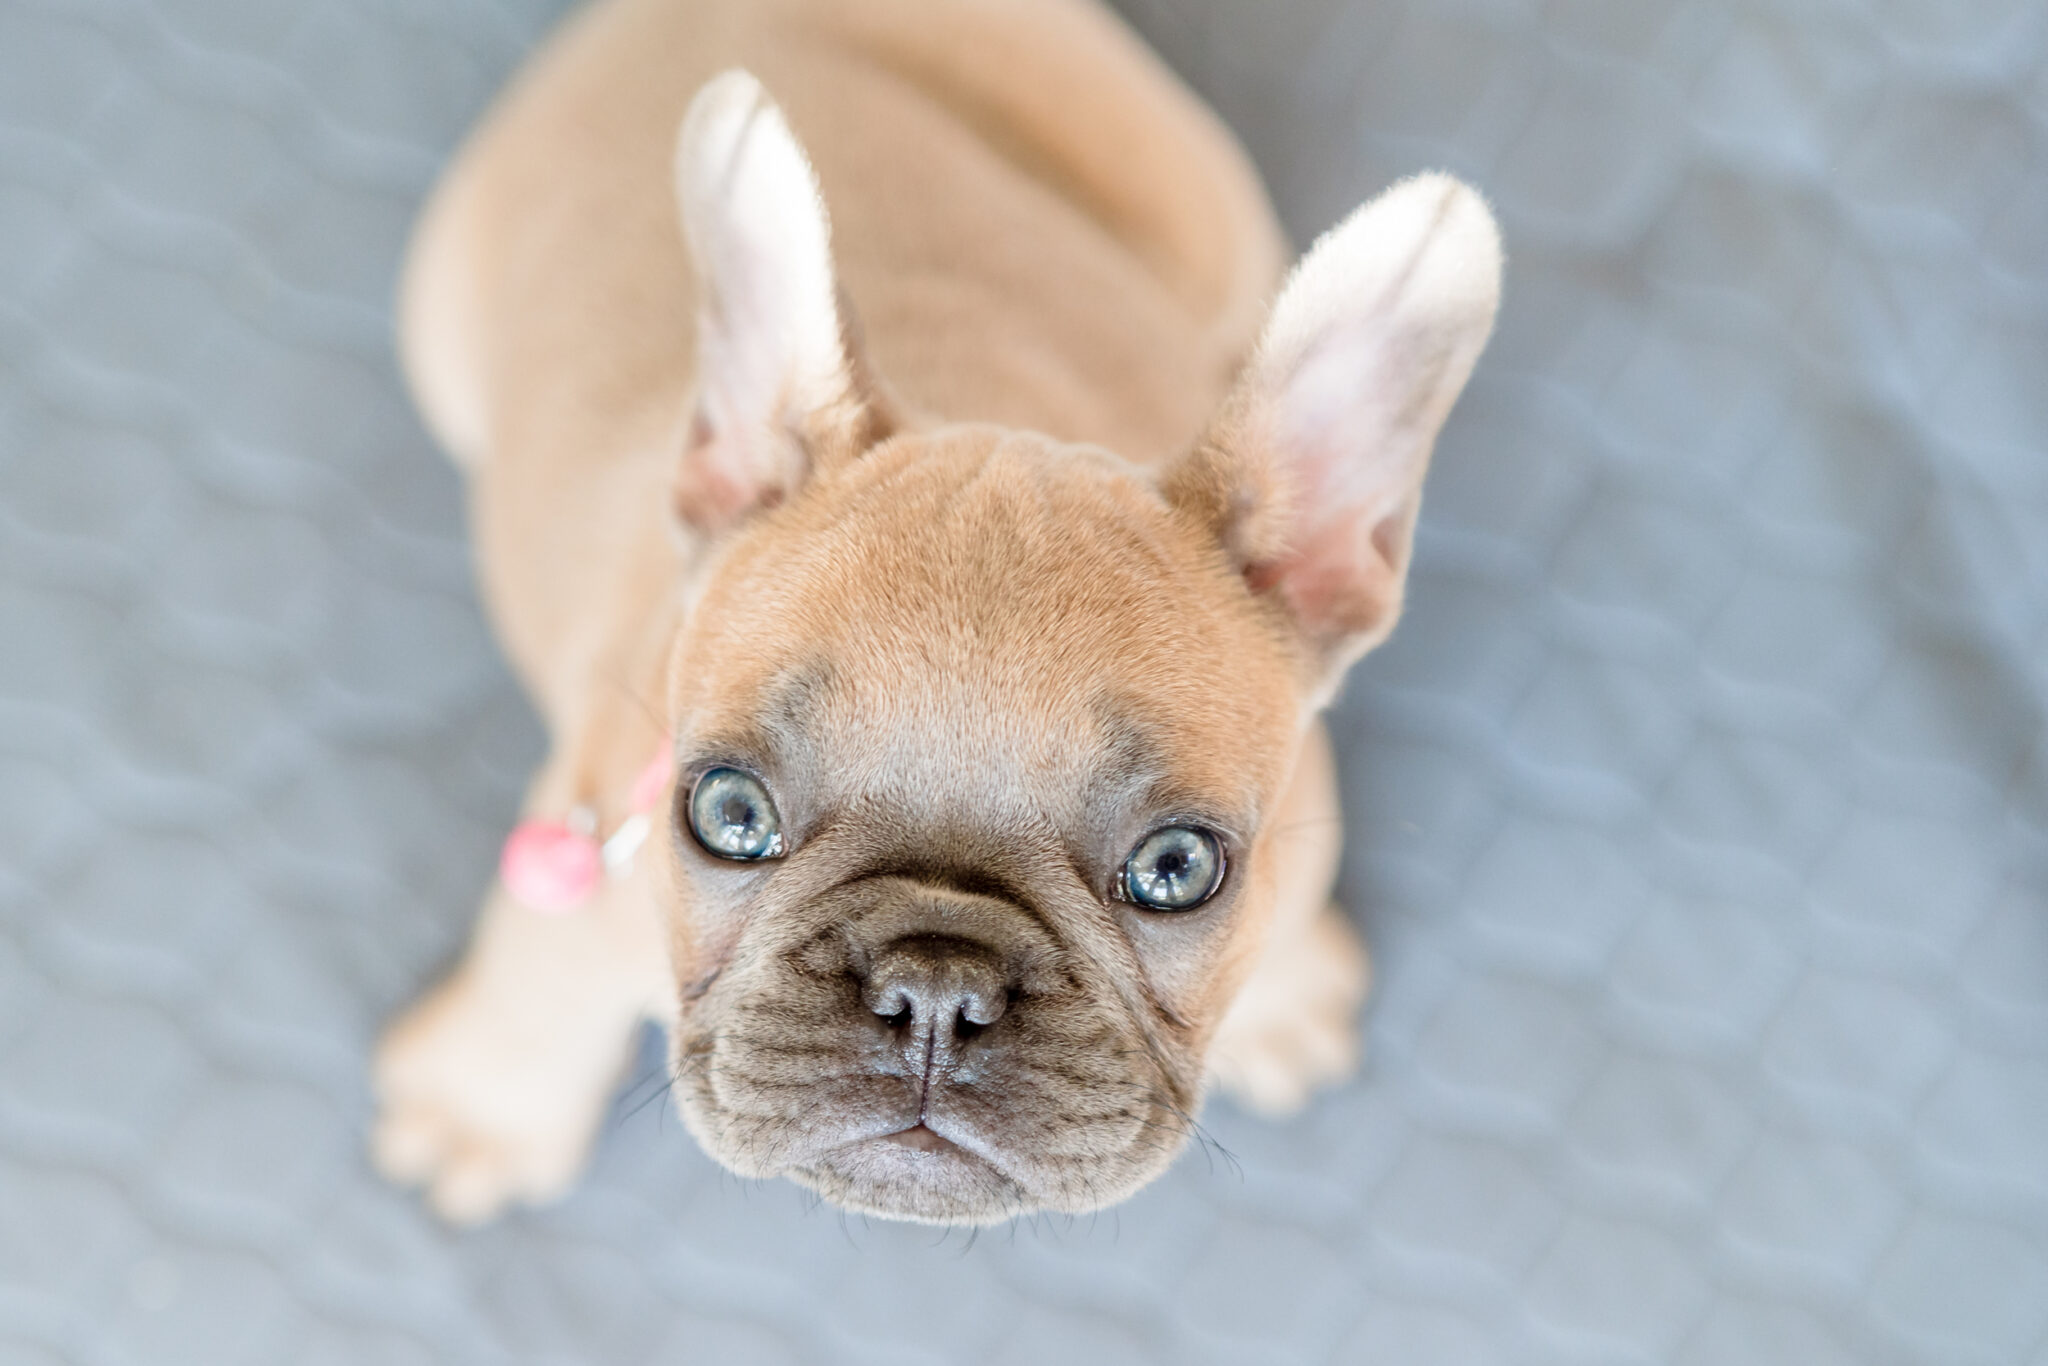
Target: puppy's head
{"points": [[980, 733]]}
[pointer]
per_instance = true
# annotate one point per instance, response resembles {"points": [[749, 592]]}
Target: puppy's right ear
{"points": [[777, 381], [1311, 474]]}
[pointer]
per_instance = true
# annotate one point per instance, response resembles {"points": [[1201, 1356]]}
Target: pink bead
{"points": [[550, 867]]}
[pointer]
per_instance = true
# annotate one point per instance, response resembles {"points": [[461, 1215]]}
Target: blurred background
{"points": [[1699, 809]]}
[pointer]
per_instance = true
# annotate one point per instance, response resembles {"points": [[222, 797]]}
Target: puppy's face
{"points": [[979, 733], [1009, 725]]}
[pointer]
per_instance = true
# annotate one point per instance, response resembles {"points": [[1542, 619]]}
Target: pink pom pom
{"points": [[550, 867]]}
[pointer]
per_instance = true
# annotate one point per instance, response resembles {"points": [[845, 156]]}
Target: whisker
{"points": [[633, 695], [651, 1097]]}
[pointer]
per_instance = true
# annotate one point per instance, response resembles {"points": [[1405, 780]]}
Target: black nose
{"points": [[942, 988]]}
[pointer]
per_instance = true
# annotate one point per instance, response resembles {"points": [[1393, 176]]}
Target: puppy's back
{"points": [[1036, 223]]}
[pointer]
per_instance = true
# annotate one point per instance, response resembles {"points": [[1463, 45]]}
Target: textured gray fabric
{"points": [[1699, 813]]}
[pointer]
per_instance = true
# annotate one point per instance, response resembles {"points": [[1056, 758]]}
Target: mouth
{"points": [[917, 1173], [921, 1138], [917, 1153]]}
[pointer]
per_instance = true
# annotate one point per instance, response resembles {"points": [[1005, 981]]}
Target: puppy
{"points": [[946, 502]]}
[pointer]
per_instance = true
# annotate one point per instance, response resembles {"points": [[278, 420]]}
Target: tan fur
{"points": [[974, 626]]}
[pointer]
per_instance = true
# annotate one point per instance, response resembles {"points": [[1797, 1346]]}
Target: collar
{"points": [[555, 866]]}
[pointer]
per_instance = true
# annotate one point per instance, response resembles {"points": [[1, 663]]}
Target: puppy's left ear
{"points": [[1311, 473], [779, 384]]}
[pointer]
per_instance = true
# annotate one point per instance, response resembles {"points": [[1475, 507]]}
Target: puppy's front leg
{"points": [[492, 1087], [1294, 1026]]}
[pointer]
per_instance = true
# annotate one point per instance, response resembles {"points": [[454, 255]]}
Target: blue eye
{"points": [[733, 817], [1174, 869]]}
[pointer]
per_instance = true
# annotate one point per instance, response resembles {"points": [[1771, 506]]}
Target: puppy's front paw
{"points": [[473, 1117], [1294, 1028]]}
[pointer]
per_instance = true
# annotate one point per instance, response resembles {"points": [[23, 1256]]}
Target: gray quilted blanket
{"points": [[1699, 809]]}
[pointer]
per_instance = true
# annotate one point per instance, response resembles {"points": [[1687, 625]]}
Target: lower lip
{"points": [[920, 1139]]}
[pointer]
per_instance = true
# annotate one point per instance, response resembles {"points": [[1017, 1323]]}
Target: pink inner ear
{"points": [[717, 484], [711, 492], [1341, 577]]}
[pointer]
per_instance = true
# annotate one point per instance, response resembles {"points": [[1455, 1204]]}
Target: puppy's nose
{"points": [[948, 988]]}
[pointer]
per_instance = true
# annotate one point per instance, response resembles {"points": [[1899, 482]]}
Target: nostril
{"points": [[894, 1006], [981, 1009]]}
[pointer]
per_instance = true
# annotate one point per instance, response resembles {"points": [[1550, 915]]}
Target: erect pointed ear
{"points": [[1311, 473], [779, 383]]}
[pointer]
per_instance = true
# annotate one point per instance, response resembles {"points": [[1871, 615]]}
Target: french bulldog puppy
{"points": [[883, 413]]}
